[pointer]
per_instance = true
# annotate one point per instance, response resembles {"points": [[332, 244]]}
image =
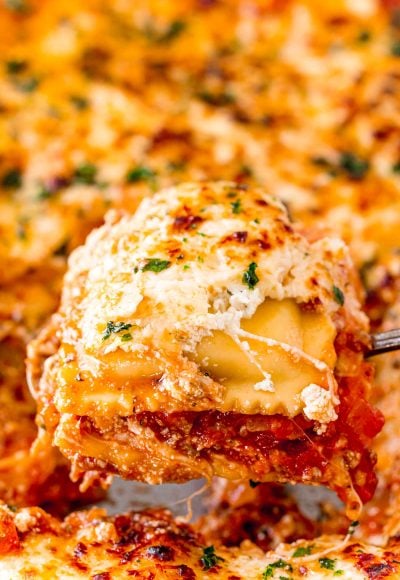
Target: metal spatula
{"points": [[384, 342]]}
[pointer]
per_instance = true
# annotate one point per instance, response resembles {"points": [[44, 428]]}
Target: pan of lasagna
{"points": [[199, 239]]}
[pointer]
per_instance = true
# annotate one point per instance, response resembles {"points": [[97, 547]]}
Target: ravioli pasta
{"points": [[206, 335]]}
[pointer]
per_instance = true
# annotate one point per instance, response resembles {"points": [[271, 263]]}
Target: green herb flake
{"points": [[140, 173], [12, 179], [175, 166], [126, 337], [16, 5], [250, 277], [186, 267], [302, 551], [338, 295], [115, 328], [21, 229], [270, 569], [43, 193], [80, 103], [327, 563], [396, 167], [395, 48], [174, 30], [27, 85], [62, 249], [254, 484], [355, 167], [86, 174], [338, 573], [209, 558], [319, 161], [246, 171], [236, 206], [216, 99], [364, 36], [156, 265], [15, 66]]}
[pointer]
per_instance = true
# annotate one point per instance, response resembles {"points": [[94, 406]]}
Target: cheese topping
{"points": [[206, 298], [319, 404]]}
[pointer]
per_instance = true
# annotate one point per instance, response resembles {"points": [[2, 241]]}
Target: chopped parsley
{"points": [[174, 30], [140, 173], [209, 558], [355, 167], [327, 563], [115, 328], [338, 573], [27, 85], [302, 551], [216, 99], [396, 167], [176, 165], [62, 249], [246, 171], [16, 5], [254, 484], [236, 206], [395, 48], [126, 337], [320, 161], [12, 179], [364, 36], [21, 228], [85, 173], [338, 295], [250, 277], [15, 66], [156, 265], [270, 569], [80, 103], [44, 192]]}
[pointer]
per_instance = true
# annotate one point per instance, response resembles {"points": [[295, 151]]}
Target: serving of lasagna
{"points": [[206, 335]]}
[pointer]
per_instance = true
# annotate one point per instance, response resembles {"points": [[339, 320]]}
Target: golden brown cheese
{"points": [[206, 311], [152, 545], [301, 99], [306, 94]]}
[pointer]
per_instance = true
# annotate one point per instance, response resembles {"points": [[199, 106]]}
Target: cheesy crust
{"points": [[152, 545], [206, 310]]}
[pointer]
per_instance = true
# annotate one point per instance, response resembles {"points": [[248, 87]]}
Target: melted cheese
{"points": [[212, 287], [94, 544]]}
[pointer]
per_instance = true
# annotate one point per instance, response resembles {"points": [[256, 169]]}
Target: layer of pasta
{"points": [[206, 335]]}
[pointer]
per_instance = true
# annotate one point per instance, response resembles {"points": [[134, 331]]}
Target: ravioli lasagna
{"points": [[206, 335]]}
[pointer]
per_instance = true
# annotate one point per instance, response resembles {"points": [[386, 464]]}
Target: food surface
{"points": [[104, 102], [152, 546], [205, 330]]}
